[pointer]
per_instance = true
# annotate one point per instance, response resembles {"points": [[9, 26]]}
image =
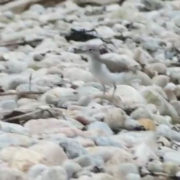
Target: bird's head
{"points": [[92, 50]]}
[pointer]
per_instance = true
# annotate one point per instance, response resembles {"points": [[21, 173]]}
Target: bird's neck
{"points": [[95, 65], [95, 57]]}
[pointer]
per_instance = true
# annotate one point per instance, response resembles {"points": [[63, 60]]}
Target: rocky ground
{"points": [[56, 124]]}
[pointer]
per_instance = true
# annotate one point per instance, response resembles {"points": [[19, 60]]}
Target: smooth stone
{"points": [[176, 21], [15, 66], [90, 161], [135, 79], [176, 105], [142, 56], [87, 91], [174, 73], [72, 148], [37, 8], [36, 171], [13, 128], [106, 141], [16, 81], [11, 174], [9, 104], [141, 112], [72, 168], [170, 89], [151, 5], [155, 166], [115, 118], [78, 74], [167, 120], [132, 124], [166, 131], [172, 156], [155, 96], [37, 88], [102, 176], [129, 96], [164, 141], [155, 68], [49, 80], [148, 177], [160, 80], [21, 158], [101, 127], [12, 139], [108, 154], [132, 176], [53, 173], [148, 151], [85, 142], [105, 32], [148, 124], [171, 168], [122, 169], [54, 153], [46, 126], [59, 95], [151, 44]]}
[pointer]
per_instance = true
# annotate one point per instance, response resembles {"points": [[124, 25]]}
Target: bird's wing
{"points": [[118, 63]]}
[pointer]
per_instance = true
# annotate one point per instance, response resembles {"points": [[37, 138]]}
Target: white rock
{"points": [[13, 128], [72, 148], [155, 96], [71, 168], [54, 173], [102, 128], [14, 66], [129, 96], [165, 130], [11, 174], [59, 95], [161, 80], [12, 139], [115, 118], [54, 153], [173, 156], [46, 126], [78, 74], [21, 158], [36, 171]]}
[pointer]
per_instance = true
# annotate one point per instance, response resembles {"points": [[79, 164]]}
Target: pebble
{"points": [[53, 152], [100, 129], [54, 173], [11, 174], [72, 148], [21, 158]]}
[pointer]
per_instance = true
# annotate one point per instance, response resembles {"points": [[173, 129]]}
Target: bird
{"points": [[107, 70]]}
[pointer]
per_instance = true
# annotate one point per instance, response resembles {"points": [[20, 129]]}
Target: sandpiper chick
{"points": [[107, 71]]}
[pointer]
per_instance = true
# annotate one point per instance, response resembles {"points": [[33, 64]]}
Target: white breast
{"points": [[100, 71]]}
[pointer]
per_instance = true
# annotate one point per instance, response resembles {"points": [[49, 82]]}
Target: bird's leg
{"points": [[114, 89], [104, 93], [104, 89]]}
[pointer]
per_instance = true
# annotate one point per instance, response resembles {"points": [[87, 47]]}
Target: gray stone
{"points": [[72, 148], [100, 126]]}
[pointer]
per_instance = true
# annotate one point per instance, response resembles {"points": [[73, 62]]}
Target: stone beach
{"points": [[55, 121]]}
